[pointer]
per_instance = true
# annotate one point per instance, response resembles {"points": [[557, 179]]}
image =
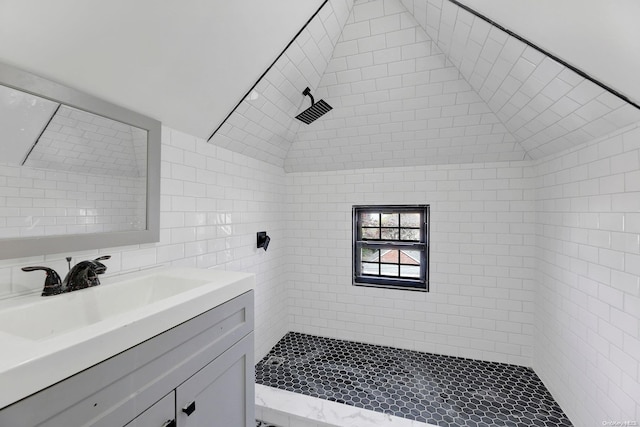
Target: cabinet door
{"points": [[161, 414], [222, 393]]}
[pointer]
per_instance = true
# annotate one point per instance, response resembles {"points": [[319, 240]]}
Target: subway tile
{"points": [[357, 30], [401, 37], [359, 61], [385, 24], [368, 11], [384, 56], [372, 43], [345, 48]]}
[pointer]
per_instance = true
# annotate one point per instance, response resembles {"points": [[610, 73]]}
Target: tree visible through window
{"points": [[390, 246]]}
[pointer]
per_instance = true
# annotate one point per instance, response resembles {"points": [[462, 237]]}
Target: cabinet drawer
{"points": [[115, 391], [159, 415]]}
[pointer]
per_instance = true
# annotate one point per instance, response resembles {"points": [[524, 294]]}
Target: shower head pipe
{"points": [[307, 92]]}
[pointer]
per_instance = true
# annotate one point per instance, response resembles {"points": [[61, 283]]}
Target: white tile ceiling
{"points": [[416, 82], [546, 106]]}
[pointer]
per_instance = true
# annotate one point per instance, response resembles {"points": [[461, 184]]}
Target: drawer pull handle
{"points": [[169, 423], [189, 408]]}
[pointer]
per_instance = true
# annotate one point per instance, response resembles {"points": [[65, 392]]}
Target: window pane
{"points": [[389, 256], [389, 270], [370, 268], [390, 220], [390, 246], [412, 234], [410, 257], [410, 271], [410, 220], [390, 234], [370, 219], [370, 254], [371, 233]]}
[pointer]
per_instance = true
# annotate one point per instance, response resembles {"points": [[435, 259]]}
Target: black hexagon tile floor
{"points": [[442, 390]]}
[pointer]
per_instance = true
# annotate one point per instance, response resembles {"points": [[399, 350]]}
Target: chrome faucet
{"points": [[83, 275]]}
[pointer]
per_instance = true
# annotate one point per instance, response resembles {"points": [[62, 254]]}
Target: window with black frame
{"points": [[391, 246]]}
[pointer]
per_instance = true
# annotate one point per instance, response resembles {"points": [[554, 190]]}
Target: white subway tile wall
{"points": [[213, 202], [561, 234], [481, 277], [587, 328], [45, 202]]}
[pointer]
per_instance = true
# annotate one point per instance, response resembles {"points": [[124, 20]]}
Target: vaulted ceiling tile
{"points": [[417, 82]]}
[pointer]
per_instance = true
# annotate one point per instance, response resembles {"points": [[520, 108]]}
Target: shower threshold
{"points": [[403, 385], [281, 408]]}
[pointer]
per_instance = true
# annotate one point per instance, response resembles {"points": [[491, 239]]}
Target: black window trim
{"points": [[421, 284]]}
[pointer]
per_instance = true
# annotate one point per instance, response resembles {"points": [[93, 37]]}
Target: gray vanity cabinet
{"points": [[161, 414], [197, 374], [216, 395], [212, 398]]}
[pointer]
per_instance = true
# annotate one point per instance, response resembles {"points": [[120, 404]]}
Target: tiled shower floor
{"points": [[442, 390]]}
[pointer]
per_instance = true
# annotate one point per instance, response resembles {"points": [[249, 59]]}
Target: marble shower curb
{"points": [[288, 409]]}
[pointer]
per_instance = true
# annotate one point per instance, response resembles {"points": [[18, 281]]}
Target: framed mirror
{"points": [[76, 172]]}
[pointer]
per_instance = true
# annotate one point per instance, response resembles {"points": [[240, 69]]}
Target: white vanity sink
{"points": [[47, 339], [63, 313]]}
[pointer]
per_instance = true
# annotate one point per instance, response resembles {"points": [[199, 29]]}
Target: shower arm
{"points": [[307, 92]]}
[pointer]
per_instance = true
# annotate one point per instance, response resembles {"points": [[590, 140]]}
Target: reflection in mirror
{"points": [[82, 142], [68, 171], [76, 172]]}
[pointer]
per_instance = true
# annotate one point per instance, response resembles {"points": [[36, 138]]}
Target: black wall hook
{"points": [[263, 240]]}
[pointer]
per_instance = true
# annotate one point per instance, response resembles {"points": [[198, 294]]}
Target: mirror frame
{"points": [[33, 246]]}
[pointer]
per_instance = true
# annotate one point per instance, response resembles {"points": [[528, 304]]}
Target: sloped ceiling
{"points": [[188, 63], [416, 82], [599, 37], [185, 63], [545, 105], [262, 126]]}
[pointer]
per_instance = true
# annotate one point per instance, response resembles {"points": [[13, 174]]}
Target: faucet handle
{"points": [[52, 282], [100, 268], [34, 268]]}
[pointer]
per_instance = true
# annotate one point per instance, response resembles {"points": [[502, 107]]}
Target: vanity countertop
{"points": [[47, 339]]}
